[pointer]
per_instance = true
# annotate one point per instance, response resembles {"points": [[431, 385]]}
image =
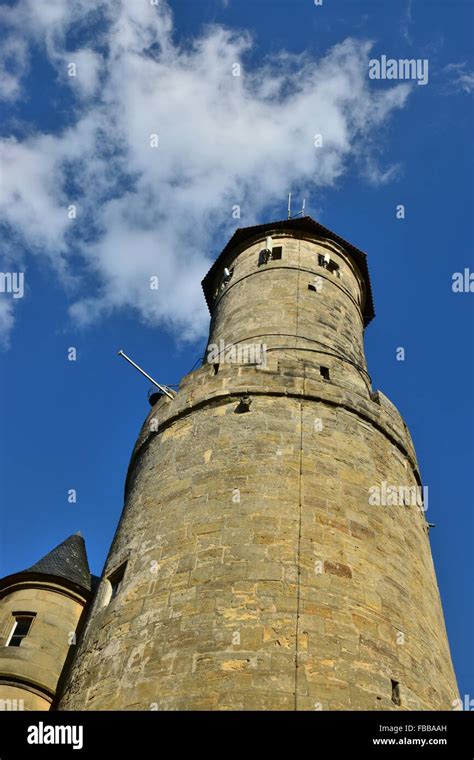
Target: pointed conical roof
{"points": [[67, 560]]}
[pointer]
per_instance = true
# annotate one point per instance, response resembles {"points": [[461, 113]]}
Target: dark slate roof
{"points": [[68, 560], [302, 224]]}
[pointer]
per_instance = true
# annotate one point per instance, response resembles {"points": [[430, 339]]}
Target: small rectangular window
{"points": [[267, 255], [21, 628], [323, 260], [116, 580], [324, 373]]}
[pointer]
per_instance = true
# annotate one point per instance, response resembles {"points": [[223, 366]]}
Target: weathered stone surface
{"points": [[30, 673], [258, 574]]}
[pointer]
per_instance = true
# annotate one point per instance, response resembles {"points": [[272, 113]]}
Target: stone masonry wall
{"points": [[258, 574], [37, 663]]}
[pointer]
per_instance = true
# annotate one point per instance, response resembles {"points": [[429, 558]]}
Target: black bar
{"points": [[155, 734]]}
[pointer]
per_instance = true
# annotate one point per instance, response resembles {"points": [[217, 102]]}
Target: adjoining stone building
{"points": [[40, 612], [249, 569]]}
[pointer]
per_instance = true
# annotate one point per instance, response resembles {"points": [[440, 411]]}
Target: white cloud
{"points": [[83, 67], [458, 78], [222, 140], [6, 319], [30, 191], [407, 22], [13, 67]]}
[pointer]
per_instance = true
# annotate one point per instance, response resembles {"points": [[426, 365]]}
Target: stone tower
{"points": [[272, 553], [40, 611]]}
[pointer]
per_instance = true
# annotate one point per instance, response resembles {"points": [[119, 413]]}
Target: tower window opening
{"points": [[243, 405], [396, 698], [324, 371], [325, 261], [226, 277], [21, 628], [116, 580], [270, 254]]}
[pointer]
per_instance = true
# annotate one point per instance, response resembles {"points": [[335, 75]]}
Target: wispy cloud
{"points": [[6, 320], [458, 79], [13, 67], [226, 135], [407, 22]]}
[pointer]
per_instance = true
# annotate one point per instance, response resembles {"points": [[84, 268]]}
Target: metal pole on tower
{"points": [[162, 388]]}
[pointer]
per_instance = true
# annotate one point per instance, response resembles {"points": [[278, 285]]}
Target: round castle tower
{"points": [[272, 554]]}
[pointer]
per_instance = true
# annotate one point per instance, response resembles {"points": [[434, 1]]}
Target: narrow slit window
{"points": [[396, 699], [21, 629], [116, 580], [324, 373]]}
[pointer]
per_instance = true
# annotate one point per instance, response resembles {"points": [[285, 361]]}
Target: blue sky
{"points": [[84, 141]]}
